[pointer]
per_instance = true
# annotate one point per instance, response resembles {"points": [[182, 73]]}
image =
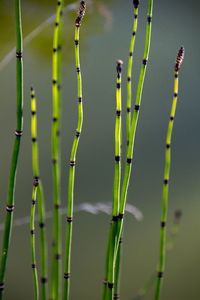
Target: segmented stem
{"points": [[16, 148], [70, 202], [163, 227], [56, 111], [33, 244], [116, 188], [129, 68], [40, 195]]}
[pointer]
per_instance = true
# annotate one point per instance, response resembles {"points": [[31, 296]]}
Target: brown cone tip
{"points": [[120, 62], [81, 13], [179, 59]]}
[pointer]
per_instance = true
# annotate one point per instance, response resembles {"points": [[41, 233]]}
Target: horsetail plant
{"points": [[14, 161], [163, 228], [130, 146], [70, 202], [110, 271], [40, 196], [56, 111], [129, 68]]}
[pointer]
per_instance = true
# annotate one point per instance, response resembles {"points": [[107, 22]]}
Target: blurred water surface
{"points": [[104, 38]]}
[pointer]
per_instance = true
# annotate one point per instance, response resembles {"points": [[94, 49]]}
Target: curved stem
{"points": [[16, 148]]}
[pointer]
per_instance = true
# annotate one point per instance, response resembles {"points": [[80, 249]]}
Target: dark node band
{"points": [[41, 225], [120, 216], [34, 139], [10, 208], [67, 275], [19, 54], [78, 70], [136, 3], [118, 85], [166, 181], [32, 231], [175, 95], [116, 297], [149, 19], [117, 158], [54, 81], [135, 16], [160, 274], [56, 24], [134, 33], [33, 113], [59, 3], [44, 280], [80, 99], [57, 206], [76, 42], [176, 75], [36, 180], [171, 118], [168, 146], [54, 119], [54, 161], [119, 66], [162, 224], [114, 218], [58, 256], [110, 285], [118, 113], [33, 266], [130, 54], [144, 61], [2, 286], [69, 219], [72, 163], [121, 241], [137, 107], [78, 133], [129, 161], [128, 109], [55, 50], [18, 133], [129, 79], [32, 94], [33, 202]]}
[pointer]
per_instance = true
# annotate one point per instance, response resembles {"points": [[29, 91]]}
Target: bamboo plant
{"points": [[163, 223], [70, 200], [15, 154]]}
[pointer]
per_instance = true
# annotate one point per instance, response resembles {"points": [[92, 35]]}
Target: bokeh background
{"points": [[105, 36]]}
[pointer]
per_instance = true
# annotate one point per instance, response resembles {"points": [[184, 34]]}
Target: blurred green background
{"points": [[105, 37]]}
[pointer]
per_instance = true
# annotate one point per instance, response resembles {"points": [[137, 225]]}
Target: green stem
{"points": [[56, 73], [163, 227], [129, 68], [33, 244], [70, 203], [16, 148], [41, 204]]}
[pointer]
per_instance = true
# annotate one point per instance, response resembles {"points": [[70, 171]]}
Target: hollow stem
{"points": [[40, 196], [16, 148], [56, 114], [129, 68], [163, 223], [70, 202]]}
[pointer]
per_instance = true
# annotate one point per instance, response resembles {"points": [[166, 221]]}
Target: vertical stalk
{"points": [[16, 148], [117, 272], [33, 244], [70, 203], [56, 86], [163, 228], [129, 68], [41, 204]]}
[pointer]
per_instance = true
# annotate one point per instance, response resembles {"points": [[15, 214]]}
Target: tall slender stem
{"points": [[40, 195], [163, 227], [70, 202], [16, 148], [56, 73], [129, 68]]}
